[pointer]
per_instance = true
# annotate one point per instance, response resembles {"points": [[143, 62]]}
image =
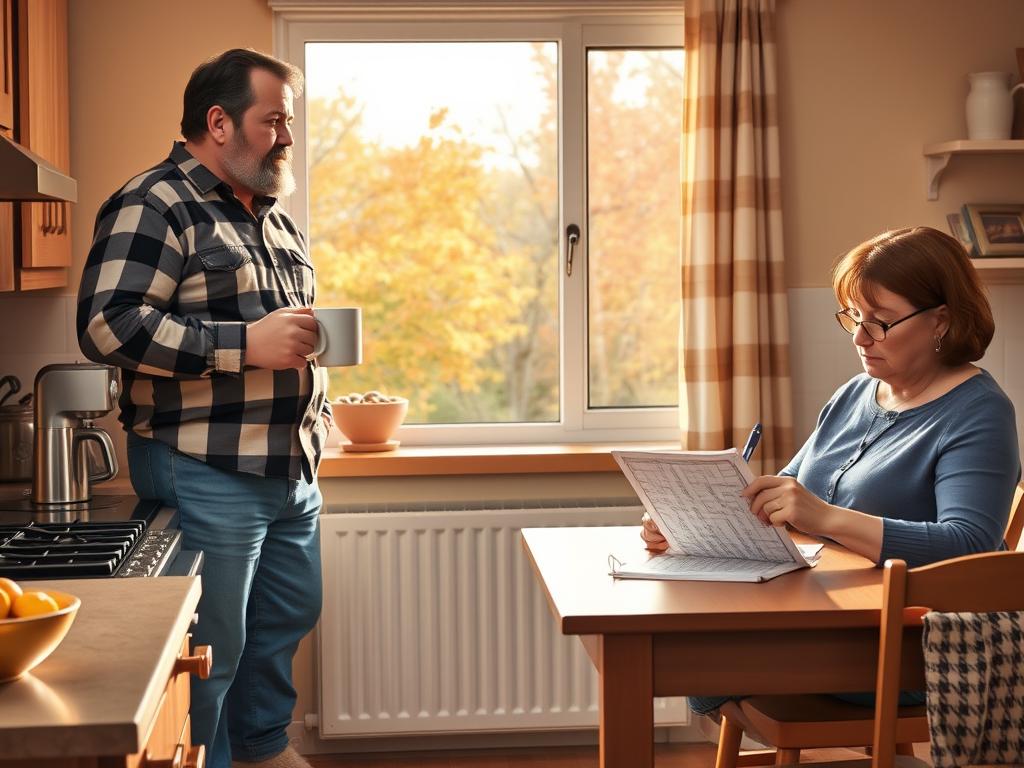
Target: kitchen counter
{"points": [[99, 691]]}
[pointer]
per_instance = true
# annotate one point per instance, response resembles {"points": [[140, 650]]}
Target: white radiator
{"points": [[434, 622]]}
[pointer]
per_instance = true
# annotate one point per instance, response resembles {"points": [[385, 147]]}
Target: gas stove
{"points": [[109, 536]]}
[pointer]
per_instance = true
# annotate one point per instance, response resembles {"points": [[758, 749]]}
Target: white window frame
{"points": [[293, 28]]}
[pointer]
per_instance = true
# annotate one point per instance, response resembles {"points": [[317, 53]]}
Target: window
{"points": [[446, 166]]}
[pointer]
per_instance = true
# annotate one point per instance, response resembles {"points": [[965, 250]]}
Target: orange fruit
{"points": [[34, 603], [5, 604], [11, 588]]}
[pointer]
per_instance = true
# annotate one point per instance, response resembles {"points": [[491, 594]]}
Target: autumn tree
{"points": [[454, 257]]}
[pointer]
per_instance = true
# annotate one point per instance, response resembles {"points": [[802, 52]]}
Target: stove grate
{"points": [[66, 550]]}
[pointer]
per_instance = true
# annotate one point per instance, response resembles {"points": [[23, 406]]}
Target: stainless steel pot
{"points": [[16, 431]]}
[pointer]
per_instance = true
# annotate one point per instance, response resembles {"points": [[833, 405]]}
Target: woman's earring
{"points": [[938, 343]]}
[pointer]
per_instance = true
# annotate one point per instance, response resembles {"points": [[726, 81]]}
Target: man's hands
{"points": [[282, 339]]}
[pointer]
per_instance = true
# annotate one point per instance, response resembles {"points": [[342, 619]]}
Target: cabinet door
{"points": [[6, 236], [43, 127], [6, 64]]}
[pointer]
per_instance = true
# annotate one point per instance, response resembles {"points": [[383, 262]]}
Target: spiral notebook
{"points": [[694, 497]]}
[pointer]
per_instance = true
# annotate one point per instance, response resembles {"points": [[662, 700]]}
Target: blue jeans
{"points": [[261, 591]]}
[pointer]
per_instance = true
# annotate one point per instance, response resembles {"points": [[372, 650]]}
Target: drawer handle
{"points": [[199, 665], [175, 762], [196, 757]]}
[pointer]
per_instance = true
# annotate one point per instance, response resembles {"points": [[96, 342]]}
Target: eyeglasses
{"points": [[875, 329]]}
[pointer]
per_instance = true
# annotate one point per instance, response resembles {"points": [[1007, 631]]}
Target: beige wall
{"points": [[863, 86], [129, 63]]}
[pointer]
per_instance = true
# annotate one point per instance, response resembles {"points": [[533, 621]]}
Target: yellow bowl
{"points": [[25, 642], [370, 424]]}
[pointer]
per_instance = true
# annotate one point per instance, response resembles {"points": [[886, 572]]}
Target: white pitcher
{"points": [[990, 105]]}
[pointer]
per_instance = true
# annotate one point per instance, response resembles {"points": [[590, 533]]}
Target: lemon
{"points": [[5, 604], [11, 588], [34, 604]]}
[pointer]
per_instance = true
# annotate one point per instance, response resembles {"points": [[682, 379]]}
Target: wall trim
{"points": [[380, 10]]}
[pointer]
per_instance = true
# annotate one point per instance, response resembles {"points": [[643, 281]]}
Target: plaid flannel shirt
{"points": [[177, 268]]}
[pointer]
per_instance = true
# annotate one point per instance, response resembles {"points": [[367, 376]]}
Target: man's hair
{"points": [[225, 81], [928, 268]]}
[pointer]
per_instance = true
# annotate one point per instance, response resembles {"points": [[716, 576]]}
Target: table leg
{"points": [[626, 680]]}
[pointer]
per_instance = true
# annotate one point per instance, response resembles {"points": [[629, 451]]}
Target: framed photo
{"points": [[997, 228], [961, 233]]}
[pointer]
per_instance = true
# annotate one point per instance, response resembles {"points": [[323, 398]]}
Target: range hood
{"points": [[26, 176]]}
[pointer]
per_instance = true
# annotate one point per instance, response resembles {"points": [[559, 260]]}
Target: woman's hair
{"points": [[928, 268], [225, 81]]}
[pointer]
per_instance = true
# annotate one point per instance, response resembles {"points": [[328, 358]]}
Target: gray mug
{"points": [[339, 336]]}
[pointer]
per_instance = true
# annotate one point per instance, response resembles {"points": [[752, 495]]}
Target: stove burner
{"points": [[66, 550]]}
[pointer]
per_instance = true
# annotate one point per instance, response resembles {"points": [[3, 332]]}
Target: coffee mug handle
{"points": [[321, 339]]}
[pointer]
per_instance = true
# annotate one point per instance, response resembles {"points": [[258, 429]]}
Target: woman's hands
{"points": [[651, 535], [779, 500]]}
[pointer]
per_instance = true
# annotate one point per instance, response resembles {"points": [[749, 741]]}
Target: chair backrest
{"points": [[1015, 524], [981, 583]]}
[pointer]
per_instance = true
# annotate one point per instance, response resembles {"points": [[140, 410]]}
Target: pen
{"points": [[752, 441]]}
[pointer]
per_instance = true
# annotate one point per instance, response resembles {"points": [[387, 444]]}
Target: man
{"points": [[199, 288]]}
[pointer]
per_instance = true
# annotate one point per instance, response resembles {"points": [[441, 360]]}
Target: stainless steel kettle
{"points": [[16, 430]]}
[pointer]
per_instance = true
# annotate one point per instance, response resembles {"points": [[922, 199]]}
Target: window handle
{"points": [[572, 236]]}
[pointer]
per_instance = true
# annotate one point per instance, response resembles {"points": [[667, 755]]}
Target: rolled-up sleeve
{"points": [[128, 286]]}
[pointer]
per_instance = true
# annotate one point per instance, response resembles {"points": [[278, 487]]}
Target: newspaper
{"points": [[694, 497]]}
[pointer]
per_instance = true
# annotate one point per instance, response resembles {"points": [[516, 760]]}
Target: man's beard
{"points": [[263, 175]]}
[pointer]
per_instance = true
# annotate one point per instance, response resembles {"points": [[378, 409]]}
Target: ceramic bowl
{"points": [[26, 642], [369, 426]]}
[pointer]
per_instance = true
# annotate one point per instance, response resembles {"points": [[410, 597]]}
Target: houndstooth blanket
{"points": [[974, 673]]}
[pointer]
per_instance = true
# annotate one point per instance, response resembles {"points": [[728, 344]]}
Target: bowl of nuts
{"points": [[369, 420]]}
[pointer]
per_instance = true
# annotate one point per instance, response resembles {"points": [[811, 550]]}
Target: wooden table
{"points": [[815, 630]]}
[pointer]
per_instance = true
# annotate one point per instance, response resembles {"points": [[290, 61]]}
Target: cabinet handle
{"points": [[175, 762], [196, 757], [62, 228], [46, 218], [199, 665]]}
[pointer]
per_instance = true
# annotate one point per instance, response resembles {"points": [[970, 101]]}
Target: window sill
{"points": [[418, 461]]}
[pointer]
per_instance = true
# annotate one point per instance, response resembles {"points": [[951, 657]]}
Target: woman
{"points": [[917, 457]]}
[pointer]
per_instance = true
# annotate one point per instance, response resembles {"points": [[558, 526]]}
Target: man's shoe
{"points": [[287, 759]]}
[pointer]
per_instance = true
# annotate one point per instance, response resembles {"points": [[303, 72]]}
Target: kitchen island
{"points": [[115, 692]]}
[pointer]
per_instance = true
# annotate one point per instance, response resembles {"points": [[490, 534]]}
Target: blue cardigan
{"points": [[942, 475]]}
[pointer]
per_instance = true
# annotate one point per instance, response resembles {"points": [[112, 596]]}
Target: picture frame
{"points": [[997, 228], [961, 233]]}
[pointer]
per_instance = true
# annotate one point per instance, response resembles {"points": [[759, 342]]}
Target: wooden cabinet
{"points": [[35, 238], [7, 76], [170, 740], [7, 64], [44, 127]]}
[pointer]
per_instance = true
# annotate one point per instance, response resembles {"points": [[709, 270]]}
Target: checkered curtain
{"points": [[734, 349]]}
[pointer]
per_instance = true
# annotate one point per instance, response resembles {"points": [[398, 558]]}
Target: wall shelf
{"points": [[1002, 269], [938, 156]]}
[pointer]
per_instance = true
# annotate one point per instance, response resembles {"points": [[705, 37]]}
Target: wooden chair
{"points": [[981, 583], [797, 722]]}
